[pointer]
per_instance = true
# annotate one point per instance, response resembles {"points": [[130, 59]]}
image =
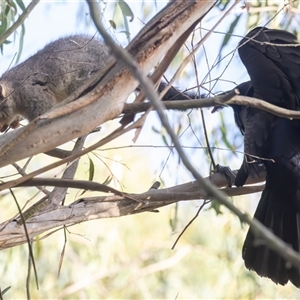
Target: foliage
{"points": [[130, 257], [8, 13]]}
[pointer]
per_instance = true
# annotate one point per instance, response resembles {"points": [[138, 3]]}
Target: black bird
{"points": [[272, 59]]}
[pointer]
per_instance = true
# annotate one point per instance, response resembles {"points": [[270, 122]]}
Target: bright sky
{"points": [[47, 22], [53, 19]]}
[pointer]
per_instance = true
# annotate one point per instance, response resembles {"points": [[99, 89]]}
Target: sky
{"points": [[51, 20], [47, 22]]}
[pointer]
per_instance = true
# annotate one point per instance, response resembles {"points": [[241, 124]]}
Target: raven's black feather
{"points": [[275, 77], [274, 72]]}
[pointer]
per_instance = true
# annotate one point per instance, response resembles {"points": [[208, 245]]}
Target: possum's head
{"points": [[8, 116]]}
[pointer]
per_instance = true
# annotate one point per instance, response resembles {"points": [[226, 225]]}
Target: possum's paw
{"points": [[15, 123]]}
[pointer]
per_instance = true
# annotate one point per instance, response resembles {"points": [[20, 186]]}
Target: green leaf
{"points": [[91, 170], [164, 138], [216, 206], [91, 173], [21, 4], [21, 43], [174, 218], [229, 32], [13, 5], [223, 4], [3, 25], [108, 180], [224, 135], [5, 290], [10, 5], [126, 10], [112, 24], [156, 130]]}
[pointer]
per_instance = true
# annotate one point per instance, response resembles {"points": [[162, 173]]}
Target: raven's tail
{"points": [[282, 218]]}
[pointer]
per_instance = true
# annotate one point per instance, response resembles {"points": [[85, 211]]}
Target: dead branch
{"points": [[85, 209]]}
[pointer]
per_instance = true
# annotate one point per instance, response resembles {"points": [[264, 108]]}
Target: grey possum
{"points": [[46, 78], [33, 87]]}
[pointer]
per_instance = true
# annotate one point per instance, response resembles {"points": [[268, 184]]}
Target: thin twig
{"points": [[189, 223], [31, 256], [58, 194], [21, 172], [218, 101]]}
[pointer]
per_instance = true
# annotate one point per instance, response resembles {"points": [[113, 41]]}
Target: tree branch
{"points": [[222, 100], [120, 204]]}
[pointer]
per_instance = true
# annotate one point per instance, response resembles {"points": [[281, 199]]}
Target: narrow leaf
{"points": [[229, 32]]}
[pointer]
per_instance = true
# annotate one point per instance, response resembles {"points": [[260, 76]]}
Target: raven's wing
{"points": [[272, 59], [274, 73]]}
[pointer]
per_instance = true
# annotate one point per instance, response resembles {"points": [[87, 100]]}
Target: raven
{"points": [[272, 59]]}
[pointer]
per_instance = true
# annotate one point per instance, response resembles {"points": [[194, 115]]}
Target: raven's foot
{"points": [[228, 173]]}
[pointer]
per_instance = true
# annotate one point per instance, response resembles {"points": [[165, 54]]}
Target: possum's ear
{"points": [[3, 91]]}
